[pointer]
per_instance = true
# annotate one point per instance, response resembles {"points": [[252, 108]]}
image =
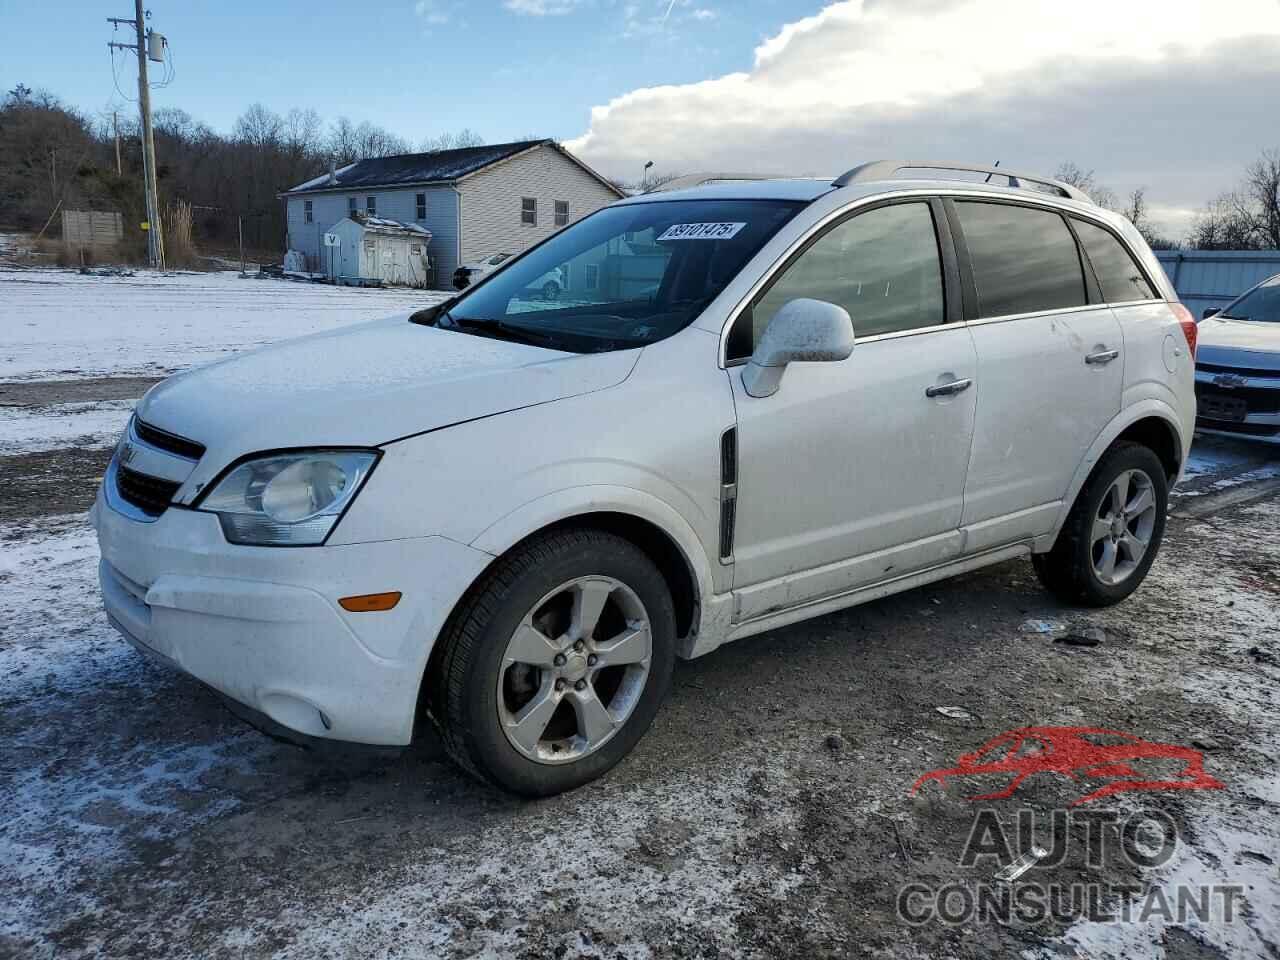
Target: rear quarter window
{"points": [[1024, 259], [1119, 275]]}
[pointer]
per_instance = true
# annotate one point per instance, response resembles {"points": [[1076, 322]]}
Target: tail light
{"points": [[1189, 328]]}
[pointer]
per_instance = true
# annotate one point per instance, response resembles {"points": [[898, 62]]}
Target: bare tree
{"points": [[1262, 190], [1220, 226], [1084, 180], [465, 137]]}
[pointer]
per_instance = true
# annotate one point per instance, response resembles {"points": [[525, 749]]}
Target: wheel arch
{"points": [[1150, 422], [640, 518]]}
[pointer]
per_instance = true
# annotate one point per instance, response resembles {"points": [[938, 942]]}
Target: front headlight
{"points": [[288, 499]]}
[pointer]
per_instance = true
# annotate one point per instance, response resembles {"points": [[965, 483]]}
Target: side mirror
{"points": [[1210, 312], [805, 330]]}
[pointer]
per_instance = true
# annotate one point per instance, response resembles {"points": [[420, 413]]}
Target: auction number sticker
{"points": [[701, 231]]}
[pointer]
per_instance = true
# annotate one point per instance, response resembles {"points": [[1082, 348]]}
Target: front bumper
{"points": [[262, 625], [1244, 405]]}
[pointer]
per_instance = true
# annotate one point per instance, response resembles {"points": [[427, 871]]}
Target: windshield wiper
{"points": [[499, 329]]}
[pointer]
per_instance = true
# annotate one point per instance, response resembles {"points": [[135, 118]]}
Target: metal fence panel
{"points": [[1213, 278]]}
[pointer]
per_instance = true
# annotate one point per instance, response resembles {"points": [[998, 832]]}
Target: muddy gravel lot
{"points": [[768, 813]]}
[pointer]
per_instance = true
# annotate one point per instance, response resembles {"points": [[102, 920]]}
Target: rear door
{"points": [[1050, 365]]}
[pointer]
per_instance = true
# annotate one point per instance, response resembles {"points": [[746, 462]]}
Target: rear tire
{"points": [[530, 645], [1113, 532], [550, 290]]}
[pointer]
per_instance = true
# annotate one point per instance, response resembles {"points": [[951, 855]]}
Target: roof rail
{"points": [[698, 179], [885, 170]]}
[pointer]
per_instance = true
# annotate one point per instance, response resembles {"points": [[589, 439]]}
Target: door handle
{"points": [[948, 389], [1105, 356]]}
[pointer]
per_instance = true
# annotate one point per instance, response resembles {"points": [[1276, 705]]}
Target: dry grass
{"points": [[179, 250]]}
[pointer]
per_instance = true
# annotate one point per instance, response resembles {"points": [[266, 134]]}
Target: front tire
{"points": [[556, 663], [550, 290], [1113, 531]]}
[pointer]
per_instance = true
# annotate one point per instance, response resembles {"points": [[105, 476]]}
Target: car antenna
{"points": [[990, 175]]}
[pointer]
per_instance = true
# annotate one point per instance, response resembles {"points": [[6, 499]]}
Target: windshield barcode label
{"points": [[701, 231]]}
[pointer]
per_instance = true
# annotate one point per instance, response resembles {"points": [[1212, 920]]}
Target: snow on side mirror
{"points": [[805, 330]]}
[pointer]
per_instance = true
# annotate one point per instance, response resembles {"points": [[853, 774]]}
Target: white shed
{"points": [[377, 249]]}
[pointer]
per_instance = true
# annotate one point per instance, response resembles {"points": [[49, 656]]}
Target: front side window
{"points": [[307, 211], [1119, 276], [371, 206], [1024, 259], [1261, 304], [681, 255], [420, 206], [882, 266], [562, 212]]}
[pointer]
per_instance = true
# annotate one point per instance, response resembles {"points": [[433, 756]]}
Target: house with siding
{"points": [[474, 201]]}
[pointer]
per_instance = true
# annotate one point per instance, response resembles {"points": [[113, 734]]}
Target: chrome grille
{"points": [[149, 467]]}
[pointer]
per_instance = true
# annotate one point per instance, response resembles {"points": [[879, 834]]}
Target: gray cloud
{"points": [[1180, 111]]}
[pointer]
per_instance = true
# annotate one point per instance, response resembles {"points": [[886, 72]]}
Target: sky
{"points": [[1176, 96]]}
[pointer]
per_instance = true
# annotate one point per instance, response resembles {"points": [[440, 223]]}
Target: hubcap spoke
{"points": [[594, 721], [527, 727], [1101, 529], [531, 646], [632, 646], [1107, 565], [1120, 493], [1142, 501], [1133, 547], [589, 599]]}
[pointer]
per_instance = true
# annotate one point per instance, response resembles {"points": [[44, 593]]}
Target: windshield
{"points": [[1262, 303], [626, 276]]}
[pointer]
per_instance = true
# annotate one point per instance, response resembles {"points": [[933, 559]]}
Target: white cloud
{"points": [[1176, 95], [432, 12], [542, 8]]}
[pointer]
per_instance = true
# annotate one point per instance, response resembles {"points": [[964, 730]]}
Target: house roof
{"points": [[442, 166]]}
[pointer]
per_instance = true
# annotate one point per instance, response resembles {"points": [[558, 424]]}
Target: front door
{"points": [[1050, 369], [853, 472]]}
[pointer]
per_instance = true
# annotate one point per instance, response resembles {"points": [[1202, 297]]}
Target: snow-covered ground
{"points": [[59, 324]]}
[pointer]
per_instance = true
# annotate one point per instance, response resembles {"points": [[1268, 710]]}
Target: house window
{"points": [[352, 205], [420, 202], [591, 275], [371, 206], [562, 212], [529, 211], [307, 214]]}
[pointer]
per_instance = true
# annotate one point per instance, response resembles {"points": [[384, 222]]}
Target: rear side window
{"points": [[882, 266], [1118, 274], [1024, 259]]}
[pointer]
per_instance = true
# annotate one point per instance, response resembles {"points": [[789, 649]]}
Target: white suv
{"points": [[767, 401]]}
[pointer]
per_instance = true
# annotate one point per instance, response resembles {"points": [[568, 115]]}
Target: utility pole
{"points": [[115, 131], [155, 242]]}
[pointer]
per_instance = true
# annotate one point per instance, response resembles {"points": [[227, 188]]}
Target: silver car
{"points": [[1238, 366]]}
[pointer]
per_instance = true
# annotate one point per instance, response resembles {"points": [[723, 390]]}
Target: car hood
{"points": [[364, 385], [1239, 343]]}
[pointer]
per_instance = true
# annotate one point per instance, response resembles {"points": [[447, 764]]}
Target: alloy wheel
{"points": [[1123, 526], [574, 669]]}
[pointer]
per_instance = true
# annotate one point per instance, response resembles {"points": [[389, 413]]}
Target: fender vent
{"points": [[728, 491]]}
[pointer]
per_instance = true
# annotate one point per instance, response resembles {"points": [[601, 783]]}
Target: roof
{"points": [[386, 226], [440, 166]]}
